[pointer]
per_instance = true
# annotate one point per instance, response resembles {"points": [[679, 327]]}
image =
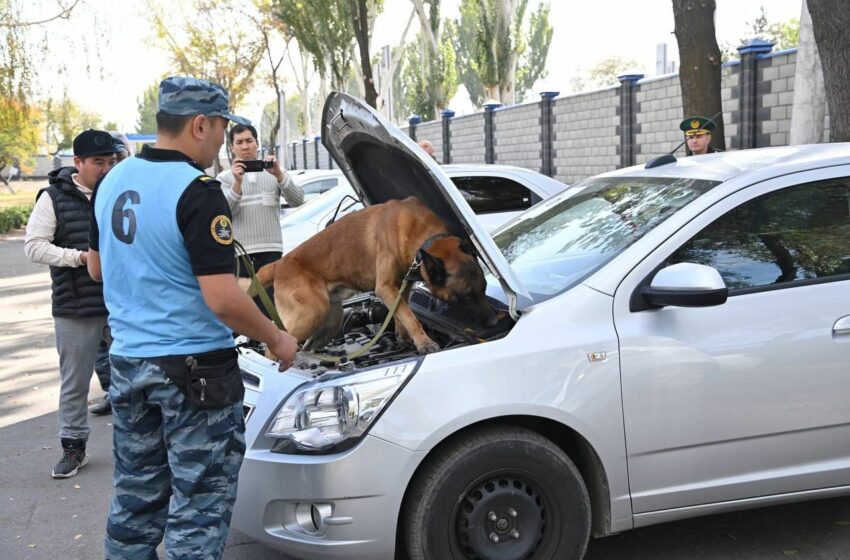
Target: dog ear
{"points": [[434, 269], [466, 246]]}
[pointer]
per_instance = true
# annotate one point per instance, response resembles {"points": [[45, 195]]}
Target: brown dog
{"points": [[372, 249]]}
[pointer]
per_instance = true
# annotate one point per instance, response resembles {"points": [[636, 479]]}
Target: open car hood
{"points": [[383, 163]]}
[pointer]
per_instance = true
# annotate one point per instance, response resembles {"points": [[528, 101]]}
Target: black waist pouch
{"points": [[209, 380]]}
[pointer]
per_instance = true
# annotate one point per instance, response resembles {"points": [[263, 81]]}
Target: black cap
{"points": [[93, 143]]}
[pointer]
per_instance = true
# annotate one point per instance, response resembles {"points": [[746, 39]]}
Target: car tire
{"points": [[497, 493]]}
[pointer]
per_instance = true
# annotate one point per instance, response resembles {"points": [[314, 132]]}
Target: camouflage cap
{"points": [[185, 96]]}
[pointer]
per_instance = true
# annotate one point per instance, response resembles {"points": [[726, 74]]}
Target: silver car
{"points": [[672, 342]]}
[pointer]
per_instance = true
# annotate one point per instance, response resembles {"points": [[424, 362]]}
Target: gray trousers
{"points": [[77, 341]]}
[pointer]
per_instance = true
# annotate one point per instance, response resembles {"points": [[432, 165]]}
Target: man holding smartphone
{"points": [[253, 191]]}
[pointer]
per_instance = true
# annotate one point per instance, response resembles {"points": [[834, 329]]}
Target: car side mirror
{"points": [[686, 285]]}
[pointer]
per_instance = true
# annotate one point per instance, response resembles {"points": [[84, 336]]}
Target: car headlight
{"points": [[324, 414]]}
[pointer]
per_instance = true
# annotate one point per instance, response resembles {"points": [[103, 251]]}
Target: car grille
{"points": [[250, 379]]}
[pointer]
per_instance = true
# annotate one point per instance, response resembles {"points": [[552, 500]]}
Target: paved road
{"points": [[46, 519]]}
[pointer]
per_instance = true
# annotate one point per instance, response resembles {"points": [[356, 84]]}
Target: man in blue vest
{"points": [[162, 244], [58, 235]]}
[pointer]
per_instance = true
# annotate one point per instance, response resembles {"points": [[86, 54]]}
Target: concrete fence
{"points": [[574, 136]]}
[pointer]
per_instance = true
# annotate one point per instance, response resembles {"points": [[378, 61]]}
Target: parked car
{"points": [[672, 342], [496, 193], [313, 182]]}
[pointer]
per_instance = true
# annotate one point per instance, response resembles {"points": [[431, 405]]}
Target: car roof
{"points": [[309, 174], [723, 166]]}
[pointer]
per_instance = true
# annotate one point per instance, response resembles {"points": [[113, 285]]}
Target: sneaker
{"points": [[101, 408], [73, 458]]}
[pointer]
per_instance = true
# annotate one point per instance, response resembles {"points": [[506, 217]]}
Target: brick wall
{"points": [[516, 136], [585, 134], [433, 132], [658, 114], [468, 139], [776, 85]]}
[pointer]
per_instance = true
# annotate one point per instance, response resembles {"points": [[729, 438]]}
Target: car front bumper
{"points": [[338, 506], [330, 506]]}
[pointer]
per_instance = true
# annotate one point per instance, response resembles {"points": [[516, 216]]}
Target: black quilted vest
{"points": [[75, 294]]}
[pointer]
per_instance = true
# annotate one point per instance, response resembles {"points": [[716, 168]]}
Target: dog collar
{"points": [[414, 272]]}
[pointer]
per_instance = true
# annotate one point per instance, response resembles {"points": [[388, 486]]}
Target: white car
{"points": [[314, 182], [672, 342], [496, 193]]}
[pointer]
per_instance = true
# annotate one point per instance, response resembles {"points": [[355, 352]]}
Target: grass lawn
{"points": [[24, 193]]}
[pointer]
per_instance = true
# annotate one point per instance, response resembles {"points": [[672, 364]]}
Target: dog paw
{"points": [[427, 346]]}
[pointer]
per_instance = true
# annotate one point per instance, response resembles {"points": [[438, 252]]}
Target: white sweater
{"points": [[256, 212]]}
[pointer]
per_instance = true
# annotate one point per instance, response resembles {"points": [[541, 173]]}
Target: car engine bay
{"points": [[363, 315]]}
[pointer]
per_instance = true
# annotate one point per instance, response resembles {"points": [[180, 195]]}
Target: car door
{"points": [[748, 398], [494, 199]]}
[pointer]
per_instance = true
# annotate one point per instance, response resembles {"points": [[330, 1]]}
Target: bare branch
{"points": [[64, 14]]}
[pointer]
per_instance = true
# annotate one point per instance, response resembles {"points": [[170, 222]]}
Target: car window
{"points": [[796, 234], [561, 241], [319, 186], [486, 195]]}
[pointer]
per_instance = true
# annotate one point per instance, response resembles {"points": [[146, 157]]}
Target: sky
{"points": [[107, 70]]}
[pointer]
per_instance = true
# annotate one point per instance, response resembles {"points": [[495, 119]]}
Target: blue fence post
{"points": [[547, 132], [447, 115], [628, 125], [490, 131], [748, 112], [413, 121]]}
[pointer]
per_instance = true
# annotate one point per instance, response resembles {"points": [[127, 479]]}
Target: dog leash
{"points": [[417, 262], [257, 288]]}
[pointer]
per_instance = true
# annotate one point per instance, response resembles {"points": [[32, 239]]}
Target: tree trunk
{"points": [[360, 15], [830, 23], [699, 55], [809, 107]]}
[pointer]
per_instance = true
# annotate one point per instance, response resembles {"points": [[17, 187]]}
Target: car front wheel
{"points": [[498, 493]]}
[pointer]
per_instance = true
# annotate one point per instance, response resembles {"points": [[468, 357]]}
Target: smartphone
{"points": [[255, 165]]}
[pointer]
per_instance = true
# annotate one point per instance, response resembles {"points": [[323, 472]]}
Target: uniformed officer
{"points": [[698, 135], [162, 244]]}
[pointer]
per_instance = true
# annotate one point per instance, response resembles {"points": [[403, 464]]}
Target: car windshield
{"points": [[558, 243], [320, 205]]}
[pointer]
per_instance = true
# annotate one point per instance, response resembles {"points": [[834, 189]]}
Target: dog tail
{"points": [[265, 275]]}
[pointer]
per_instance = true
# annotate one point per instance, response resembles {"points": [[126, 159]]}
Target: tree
{"points": [[148, 105], [532, 65], [809, 106], [205, 44], [830, 21], [699, 70], [322, 28], [784, 35], [605, 72], [504, 50], [271, 28], [363, 13], [18, 132], [429, 76], [65, 119]]}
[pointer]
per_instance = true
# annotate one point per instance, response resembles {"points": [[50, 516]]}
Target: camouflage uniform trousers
{"points": [[176, 468]]}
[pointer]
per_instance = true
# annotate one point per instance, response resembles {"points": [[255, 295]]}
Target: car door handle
{"points": [[841, 327]]}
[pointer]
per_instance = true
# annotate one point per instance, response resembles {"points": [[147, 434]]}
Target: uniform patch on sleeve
{"points": [[205, 178], [222, 230]]}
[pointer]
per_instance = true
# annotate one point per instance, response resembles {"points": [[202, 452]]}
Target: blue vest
{"points": [[154, 300]]}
